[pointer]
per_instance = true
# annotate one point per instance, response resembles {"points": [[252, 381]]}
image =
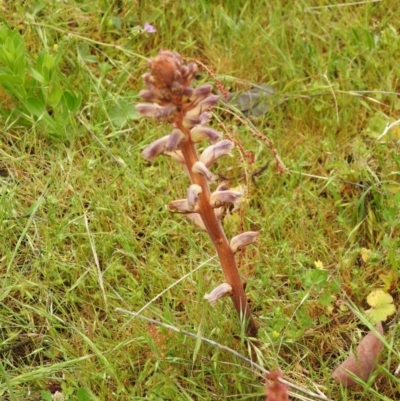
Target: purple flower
{"points": [[218, 293], [200, 168], [215, 151], [243, 240], [222, 198], [149, 28]]}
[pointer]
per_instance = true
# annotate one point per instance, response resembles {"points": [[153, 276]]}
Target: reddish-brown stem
{"points": [[218, 237]]}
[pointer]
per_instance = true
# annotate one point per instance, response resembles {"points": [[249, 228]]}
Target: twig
{"points": [[227, 349]]}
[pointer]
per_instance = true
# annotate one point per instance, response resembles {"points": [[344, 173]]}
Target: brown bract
{"points": [[363, 362]]}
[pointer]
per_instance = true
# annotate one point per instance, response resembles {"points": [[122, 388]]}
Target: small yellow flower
{"points": [[275, 334], [319, 265]]}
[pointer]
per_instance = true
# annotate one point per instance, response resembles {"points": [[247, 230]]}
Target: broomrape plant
{"points": [[171, 98]]}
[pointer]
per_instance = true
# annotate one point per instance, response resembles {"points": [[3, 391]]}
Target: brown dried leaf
{"points": [[363, 362]]}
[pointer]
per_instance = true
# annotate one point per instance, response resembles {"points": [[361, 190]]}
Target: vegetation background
{"points": [[83, 224]]}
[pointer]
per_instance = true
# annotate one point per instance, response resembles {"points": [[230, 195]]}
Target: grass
{"points": [[84, 229]]}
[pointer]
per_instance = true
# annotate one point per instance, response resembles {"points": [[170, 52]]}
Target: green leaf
{"points": [[84, 53], [122, 112], [72, 101], [46, 396], [326, 298], [381, 306], [54, 96], [316, 278], [83, 394], [37, 75], [35, 106], [117, 22]]}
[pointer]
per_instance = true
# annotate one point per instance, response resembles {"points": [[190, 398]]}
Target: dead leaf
{"points": [[363, 362]]}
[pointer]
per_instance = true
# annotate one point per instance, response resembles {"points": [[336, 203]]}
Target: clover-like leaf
{"points": [[381, 306]]}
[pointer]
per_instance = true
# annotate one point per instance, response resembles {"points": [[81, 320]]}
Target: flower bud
{"points": [[215, 151], [199, 133], [243, 240], [221, 198], [217, 293], [193, 193], [155, 148], [165, 68], [188, 73], [200, 168]]}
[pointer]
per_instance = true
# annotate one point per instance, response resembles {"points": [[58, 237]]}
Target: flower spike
{"points": [[170, 96]]}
